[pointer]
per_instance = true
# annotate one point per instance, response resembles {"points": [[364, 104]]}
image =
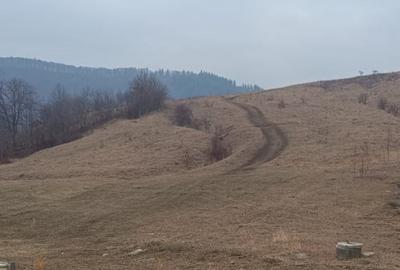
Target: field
{"points": [[310, 166]]}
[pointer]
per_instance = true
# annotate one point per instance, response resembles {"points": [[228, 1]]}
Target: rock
{"points": [[301, 256], [348, 250], [7, 266], [105, 255], [368, 254], [272, 261], [136, 252], [395, 204]]}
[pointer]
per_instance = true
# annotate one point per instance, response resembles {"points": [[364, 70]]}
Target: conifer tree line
{"points": [[181, 84]]}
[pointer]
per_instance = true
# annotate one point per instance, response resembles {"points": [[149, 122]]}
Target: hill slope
{"points": [[44, 76], [310, 167]]}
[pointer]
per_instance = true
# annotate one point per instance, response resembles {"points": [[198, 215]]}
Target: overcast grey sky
{"points": [[271, 43]]}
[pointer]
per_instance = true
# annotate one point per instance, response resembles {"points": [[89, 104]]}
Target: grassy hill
{"points": [[310, 166]]}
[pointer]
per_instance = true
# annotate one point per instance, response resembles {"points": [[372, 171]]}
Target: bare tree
{"points": [[363, 98], [16, 100], [382, 103], [281, 104], [220, 148], [65, 116], [145, 95], [393, 109], [4, 143]]}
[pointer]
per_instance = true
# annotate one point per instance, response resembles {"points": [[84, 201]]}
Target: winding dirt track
{"points": [[275, 139]]}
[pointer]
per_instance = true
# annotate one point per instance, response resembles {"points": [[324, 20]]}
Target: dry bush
{"points": [[220, 148], [388, 143], [187, 158], [362, 160], [382, 103], [281, 104], [270, 98], [323, 133], [393, 109], [280, 236], [202, 123], [39, 263], [363, 98], [4, 148], [288, 242], [4, 158], [183, 116]]}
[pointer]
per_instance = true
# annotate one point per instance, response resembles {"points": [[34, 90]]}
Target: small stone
{"points": [[395, 204], [136, 252], [301, 256], [105, 255], [368, 254]]}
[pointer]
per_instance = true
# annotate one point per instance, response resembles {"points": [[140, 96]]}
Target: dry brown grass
{"points": [[289, 243], [124, 148], [91, 197]]}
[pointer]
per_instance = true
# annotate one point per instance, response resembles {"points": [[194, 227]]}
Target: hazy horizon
{"points": [[268, 43]]}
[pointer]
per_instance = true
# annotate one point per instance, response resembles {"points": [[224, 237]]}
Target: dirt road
{"points": [[275, 139]]}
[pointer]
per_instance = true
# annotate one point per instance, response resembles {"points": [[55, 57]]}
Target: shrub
{"points": [[393, 109], [5, 143], [382, 103], [363, 98], [202, 123], [4, 158], [146, 94], [281, 104], [183, 115], [219, 146], [39, 263]]}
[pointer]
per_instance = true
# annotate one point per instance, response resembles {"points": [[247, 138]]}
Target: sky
{"points": [[269, 43]]}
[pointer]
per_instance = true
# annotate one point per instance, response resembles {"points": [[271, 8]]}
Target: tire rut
{"points": [[275, 139]]}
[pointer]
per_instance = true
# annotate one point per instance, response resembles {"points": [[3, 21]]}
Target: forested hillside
{"points": [[44, 76]]}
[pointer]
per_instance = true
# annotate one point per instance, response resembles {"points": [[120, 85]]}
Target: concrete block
{"points": [[7, 266], [348, 250]]}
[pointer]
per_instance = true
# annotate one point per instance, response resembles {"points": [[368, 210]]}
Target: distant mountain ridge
{"points": [[44, 76]]}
